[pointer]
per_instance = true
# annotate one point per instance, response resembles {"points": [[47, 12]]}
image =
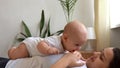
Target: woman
{"points": [[108, 58]]}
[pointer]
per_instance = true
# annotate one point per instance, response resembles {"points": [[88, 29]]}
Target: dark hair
{"points": [[115, 63]]}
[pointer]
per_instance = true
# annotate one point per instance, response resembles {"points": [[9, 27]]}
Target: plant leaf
{"points": [[23, 35], [58, 32], [49, 28], [20, 39], [45, 33], [42, 22], [26, 29], [68, 8]]}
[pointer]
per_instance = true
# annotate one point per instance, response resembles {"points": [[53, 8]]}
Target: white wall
{"points": [[85, 12], [115, 37], [12, 12]]}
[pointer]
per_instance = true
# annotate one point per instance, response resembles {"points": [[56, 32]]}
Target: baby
{"points": [[73, 37]]}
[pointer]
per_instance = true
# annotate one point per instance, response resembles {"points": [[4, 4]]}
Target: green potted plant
{"points": [[68, 8], [42, 33]]}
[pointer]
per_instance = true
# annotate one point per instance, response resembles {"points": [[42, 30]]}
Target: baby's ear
{"points": [[65, 37]]}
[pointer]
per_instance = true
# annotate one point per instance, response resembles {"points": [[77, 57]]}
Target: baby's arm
{"points": [[18, 52], [44, 48]]}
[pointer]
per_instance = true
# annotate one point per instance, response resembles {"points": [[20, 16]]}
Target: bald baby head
{"points": [[75, 28], [74, 35]]}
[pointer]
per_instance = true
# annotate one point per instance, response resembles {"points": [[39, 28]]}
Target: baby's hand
{"points": [[53, 50], [81, 61], [79, 55], [76, 60]]}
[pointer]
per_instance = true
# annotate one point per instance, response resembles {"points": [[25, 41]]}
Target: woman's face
{"points": [[100, 59]]}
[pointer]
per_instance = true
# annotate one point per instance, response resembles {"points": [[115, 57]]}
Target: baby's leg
{"points": [[18, 52]]}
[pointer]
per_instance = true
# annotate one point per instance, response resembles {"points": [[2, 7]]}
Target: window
{"points": [[114, 13]]}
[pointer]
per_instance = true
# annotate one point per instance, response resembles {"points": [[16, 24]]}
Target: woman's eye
{"points": [[101, 57], [77, 44]]}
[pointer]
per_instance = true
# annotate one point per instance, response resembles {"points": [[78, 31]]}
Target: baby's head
{"points": [[74, 36]]}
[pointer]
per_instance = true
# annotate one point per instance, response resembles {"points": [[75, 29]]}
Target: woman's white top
{"points": [[36, 62]]}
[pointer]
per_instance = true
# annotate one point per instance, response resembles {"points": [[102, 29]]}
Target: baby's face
{"points": [[73, 45]]}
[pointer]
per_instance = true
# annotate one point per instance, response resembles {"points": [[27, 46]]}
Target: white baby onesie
{"points": [[32, 42]]}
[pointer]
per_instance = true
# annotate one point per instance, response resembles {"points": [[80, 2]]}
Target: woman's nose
{"points": [[95, 55], [78, 48]]}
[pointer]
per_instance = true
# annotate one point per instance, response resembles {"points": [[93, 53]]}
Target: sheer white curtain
{"points": [[102, 25]]}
